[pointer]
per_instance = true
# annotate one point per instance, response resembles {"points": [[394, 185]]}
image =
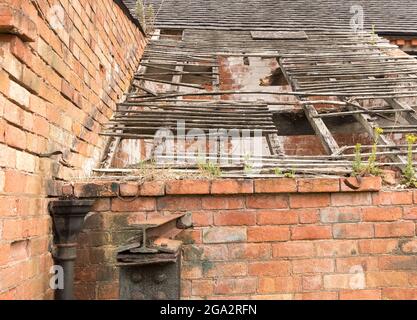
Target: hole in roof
{"points": [[297, 124], [171, 34], [277, 78], [166, 73], [198, 75]]}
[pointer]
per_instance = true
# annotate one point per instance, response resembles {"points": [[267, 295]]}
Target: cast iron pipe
{"points": [[68, 217]]}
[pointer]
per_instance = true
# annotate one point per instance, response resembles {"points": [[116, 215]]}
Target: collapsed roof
{"points": [[212, 80]]}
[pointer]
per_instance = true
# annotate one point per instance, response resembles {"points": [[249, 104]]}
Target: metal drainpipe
{"points": [[68, 217]]}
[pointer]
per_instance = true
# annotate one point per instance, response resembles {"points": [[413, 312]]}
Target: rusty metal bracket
{"points": [[151, 261]]}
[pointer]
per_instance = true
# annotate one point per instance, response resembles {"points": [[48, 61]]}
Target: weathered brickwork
{"points": [[63, 66], [262, 239]]}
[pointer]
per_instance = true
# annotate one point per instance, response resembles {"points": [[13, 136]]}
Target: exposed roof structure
{"points": [[388, 17], [326, 74]]}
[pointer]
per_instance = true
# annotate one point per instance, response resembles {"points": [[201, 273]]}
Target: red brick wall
{"points": [[63, 67], [263, 239]]}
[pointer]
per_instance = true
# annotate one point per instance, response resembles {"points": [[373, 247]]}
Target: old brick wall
{"points": [[262, 239], [63, 66]]}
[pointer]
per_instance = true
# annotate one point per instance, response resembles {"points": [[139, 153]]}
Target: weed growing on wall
{"points": [[145, 15], [357, 166], [410, 179], [372, 167]]}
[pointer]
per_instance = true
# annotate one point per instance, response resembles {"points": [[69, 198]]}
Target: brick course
{"points": [[354, 251]]}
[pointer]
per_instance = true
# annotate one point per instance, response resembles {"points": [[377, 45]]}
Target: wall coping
{"points": [[107, 188]]}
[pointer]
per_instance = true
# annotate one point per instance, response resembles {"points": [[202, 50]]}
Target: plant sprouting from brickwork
{"points": [[357, 166], [372, 167], [410, 179], [290, 174], [210, 169], [146, 16], [248, 167], [278, 172]]}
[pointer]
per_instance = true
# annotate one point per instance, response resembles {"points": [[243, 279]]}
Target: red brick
{"points": [[225, 269], [399, 293], [15, 137], [270, 268], [309, 216], [372, 184], [309, 200], [344, 281], [130, 189], [67, 90], [231, 187], [280, 285], [202, 288], [234, 218], [410, 213], [4, 254], [340, 215], [409, 247], [356, 264], [293, 249], [13, 19], [382, 214], [15, 182], [267, 202], [140, 204], [11, 276], [318, 185], [12, 229], [152, 188], [235, 286], [395, 230], [182, 187], [20, 50], [398, 263], [360, 295], [313, 266], [4, 84], [268, 234], [277, 217], [223, 202], [412, 276], [249, 251], [190, 271], [96, 189], [202, 218], [353, 231], [275, 186], [350, 199], [8, 207], [102, 205], [224, 235], [389, 198], [179, 203], [336, 248], [312, 283], [311, 233], [386, 279], [381, 246]]}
